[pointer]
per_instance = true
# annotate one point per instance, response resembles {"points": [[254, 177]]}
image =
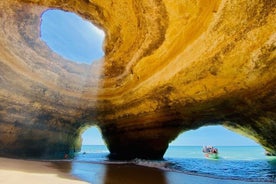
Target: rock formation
{"points": [[169, 67]]}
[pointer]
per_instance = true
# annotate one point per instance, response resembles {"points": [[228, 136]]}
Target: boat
{"points": [[210, 152]]}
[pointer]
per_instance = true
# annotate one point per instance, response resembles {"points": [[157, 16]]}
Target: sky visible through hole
{"points": [[80, 41], [71, 36]]}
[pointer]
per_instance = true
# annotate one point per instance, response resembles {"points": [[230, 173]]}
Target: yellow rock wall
{"points": [[169, 66]]}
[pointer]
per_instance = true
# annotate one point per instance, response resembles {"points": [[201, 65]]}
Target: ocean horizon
{"points": [[241, 163]]}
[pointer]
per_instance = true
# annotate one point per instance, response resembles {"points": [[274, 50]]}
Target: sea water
{"points": [[245, 163]]}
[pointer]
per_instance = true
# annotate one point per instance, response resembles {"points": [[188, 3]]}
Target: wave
{"points": [[100, 151], [160, 164], [164, 165]]}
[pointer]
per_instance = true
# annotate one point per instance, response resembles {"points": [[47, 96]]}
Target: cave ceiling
{"points": [[169, 66]]}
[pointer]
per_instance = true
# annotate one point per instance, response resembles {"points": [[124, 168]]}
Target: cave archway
{"points": [[236, 154], [93, 146], [189, 144]]}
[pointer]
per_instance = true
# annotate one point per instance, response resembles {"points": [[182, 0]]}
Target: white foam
{"points": [[164, 165]]}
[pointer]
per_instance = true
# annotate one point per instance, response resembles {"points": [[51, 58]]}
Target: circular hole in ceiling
{"points": [[71, 36]]}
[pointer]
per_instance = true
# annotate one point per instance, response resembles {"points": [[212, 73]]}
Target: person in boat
{"points": [[214, 150], [206, 149], [209, 149]]}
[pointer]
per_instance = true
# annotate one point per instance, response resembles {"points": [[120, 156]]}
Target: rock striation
{"points": [[169, 67]]}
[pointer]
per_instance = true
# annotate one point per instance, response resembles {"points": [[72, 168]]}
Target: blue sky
{"points": [[212, 135], [208, 135], [73, 38], [70, 36]]}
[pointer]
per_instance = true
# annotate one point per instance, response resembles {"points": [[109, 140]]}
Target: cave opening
{"points": [[238, 156], [93, 145], [189, 144], [71, 37]]}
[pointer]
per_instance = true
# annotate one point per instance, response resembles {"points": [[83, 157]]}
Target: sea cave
{"points": [[168, 67]]}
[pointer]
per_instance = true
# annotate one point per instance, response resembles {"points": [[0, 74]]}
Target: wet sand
{"points": [[59, 172]]}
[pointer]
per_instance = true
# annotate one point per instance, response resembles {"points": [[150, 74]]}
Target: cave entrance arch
{"points": [[93, 145], [237, 154], [215, 135]]}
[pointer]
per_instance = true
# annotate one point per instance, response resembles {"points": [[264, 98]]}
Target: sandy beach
{"points": [[23, 171], [41, 172]]}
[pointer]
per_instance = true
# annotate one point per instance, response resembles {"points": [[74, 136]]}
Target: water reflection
{"points": [[117, 173], [90, 172], [131, 174]]}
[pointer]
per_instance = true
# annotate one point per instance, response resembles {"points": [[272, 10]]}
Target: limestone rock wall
{"points": [[169, 66]]}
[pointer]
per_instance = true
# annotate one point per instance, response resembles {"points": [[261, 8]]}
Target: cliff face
{"points": [[169, 66]]}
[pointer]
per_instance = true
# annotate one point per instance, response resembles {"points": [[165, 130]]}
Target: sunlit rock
{"points": [[169, 66]]}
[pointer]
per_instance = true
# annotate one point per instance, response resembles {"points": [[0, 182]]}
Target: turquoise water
{"points": [[247, 163], [235, 162]]}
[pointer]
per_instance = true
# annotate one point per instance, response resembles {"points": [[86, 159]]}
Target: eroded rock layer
{"points": [[169, 66]]}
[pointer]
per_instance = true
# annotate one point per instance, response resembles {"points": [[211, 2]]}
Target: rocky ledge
{"points": [[169, 67]]}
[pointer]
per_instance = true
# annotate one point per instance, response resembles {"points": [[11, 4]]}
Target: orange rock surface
{"points": [[169, 66]]}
